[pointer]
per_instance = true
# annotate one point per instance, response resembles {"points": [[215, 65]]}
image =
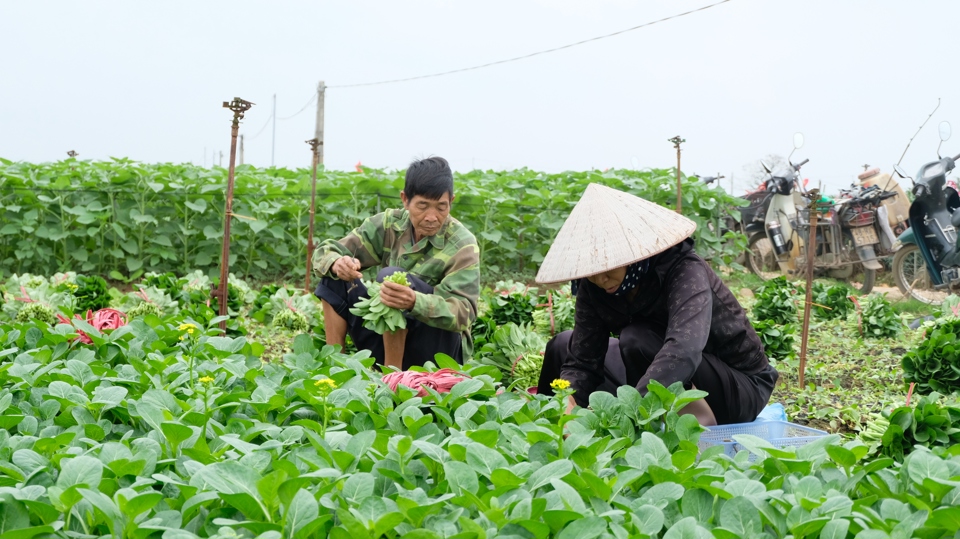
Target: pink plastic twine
{"points": [[441, 381], [101, 320]]}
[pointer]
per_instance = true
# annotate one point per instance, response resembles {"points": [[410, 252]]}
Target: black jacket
{"points": [[681, 297]]}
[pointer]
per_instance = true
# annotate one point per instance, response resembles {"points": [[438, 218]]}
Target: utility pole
{"points": [[676, 144], [220, 164], [318, 134], [241, 149], [204, 157], [238, 107], [273, 145], [72, 154]]}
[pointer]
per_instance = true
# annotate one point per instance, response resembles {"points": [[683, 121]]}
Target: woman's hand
{"points": [[347, 268], [571, 404], [397, 296]]}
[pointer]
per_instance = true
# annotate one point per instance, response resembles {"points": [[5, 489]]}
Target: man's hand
{"points": [[347, 268], [397, 296]]}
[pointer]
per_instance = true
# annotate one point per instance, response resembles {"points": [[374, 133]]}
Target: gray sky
{"points": [[145, 80]]}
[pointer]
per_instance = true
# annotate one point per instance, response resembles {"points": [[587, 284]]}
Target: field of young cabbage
{"points": [[123, 218], [162, 427]]}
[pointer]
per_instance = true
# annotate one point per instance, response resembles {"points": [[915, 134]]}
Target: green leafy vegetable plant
{"points": [[934, 364], [91, 293], [879, 319], [777, 301], [929, 424], [831, 303], [778, 340]]}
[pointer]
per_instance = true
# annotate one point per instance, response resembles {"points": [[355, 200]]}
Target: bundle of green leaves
{"points": [[36, 311], [777, 301], [929, 424], [306, 305], [25, 289], [879, 319], [129, 302], [91, 293], [512, 302], [563, 307], [377, 316], [778, 340], [934, 365], [517, 350], [167, 282], [831, 303]]}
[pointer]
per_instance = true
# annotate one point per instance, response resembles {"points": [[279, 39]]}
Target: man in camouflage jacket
{"points": [[443, 263]]}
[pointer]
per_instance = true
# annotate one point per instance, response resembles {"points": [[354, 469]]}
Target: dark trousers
{"points": [[423, 341], [734, 397]]}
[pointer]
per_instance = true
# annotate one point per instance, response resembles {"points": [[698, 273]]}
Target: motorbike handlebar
{"points": [[800, 164]]}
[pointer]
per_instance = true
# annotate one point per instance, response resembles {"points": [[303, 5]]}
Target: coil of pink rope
{"points": [[441, 381]]}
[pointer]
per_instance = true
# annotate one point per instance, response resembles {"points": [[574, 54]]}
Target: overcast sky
{"points": [[146, 80]]}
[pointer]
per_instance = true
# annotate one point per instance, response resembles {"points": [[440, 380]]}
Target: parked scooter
{"points": [[844, 246], [927, 266]]}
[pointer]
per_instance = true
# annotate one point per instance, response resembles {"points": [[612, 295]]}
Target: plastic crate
{"points": [[778, 433]]}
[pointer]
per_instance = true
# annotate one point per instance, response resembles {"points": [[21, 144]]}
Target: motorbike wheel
{"points": [[761, 258], [869, 275], [913, 279]]}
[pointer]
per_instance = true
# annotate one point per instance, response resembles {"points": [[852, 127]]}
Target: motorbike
{"points": [[778, 232], [927, 265]]}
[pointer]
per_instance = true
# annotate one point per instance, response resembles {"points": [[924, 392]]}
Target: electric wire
{"points": [[265, 124], [312, 99], [538, 53]]}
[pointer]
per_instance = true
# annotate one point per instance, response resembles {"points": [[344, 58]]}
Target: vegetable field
{"points": [[128, 414], [122, 218]]}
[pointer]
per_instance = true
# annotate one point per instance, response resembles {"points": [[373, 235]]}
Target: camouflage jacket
{"points": [[449, 261]]}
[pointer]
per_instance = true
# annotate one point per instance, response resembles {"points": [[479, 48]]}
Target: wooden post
{"points": [[318, 134], [676, 144], [238, 106], [807, 304]]}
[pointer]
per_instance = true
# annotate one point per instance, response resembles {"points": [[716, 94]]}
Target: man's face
{"points": [[427, 216]]}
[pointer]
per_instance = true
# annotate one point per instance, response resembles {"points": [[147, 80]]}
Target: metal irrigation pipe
{"points": [[315, 148], [238, 106]]}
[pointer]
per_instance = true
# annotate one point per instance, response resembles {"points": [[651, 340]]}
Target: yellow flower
{"points": [[559, 384], [189, 328], [325, 385], [206, 379], [72, 286]]}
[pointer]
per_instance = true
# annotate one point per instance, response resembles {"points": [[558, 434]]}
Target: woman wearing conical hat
{"points": [[639, 278]]}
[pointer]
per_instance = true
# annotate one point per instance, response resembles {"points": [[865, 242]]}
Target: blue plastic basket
{"points": [[778, 433]]}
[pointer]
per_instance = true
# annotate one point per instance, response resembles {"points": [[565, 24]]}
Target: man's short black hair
{"points": [[429, 178]]}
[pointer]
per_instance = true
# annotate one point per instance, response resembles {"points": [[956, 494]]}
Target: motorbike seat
{"points": [[955, 219]]}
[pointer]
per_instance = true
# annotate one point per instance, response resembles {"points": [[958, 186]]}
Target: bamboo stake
{"points": [[811, 250]]}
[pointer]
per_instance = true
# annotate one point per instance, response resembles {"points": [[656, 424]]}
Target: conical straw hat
{"points": [[608, 229]]}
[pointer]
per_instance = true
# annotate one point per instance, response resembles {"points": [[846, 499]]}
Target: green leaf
{"points": [[687, 528], [80, 471], [554, 470], [740, 516], [584, 528]]}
